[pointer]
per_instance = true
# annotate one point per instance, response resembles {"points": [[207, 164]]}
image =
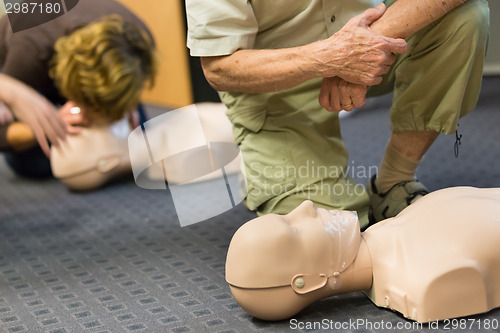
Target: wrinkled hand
{"points": [[73, 117], [31, 108], [337, 94], [356, 53]]}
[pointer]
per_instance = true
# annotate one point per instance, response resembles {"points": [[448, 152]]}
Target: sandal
{"points": [[390, 203]]}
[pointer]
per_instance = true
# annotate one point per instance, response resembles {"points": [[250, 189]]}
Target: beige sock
{"points": [[395, 168]]}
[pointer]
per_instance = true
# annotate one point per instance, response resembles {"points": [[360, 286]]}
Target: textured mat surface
{"points": [[117, 260]]}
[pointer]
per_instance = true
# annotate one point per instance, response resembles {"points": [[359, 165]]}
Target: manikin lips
{"points": [[36, 13]]}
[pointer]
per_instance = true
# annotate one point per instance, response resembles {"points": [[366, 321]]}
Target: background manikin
{"points": [[100, 153], [437, 259]]}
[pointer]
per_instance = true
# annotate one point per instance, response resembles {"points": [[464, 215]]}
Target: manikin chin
{"points": [[437, 259]]}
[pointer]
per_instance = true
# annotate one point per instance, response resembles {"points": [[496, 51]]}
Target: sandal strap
{"points": [[398, 197], [414, 188], [401, 195]]}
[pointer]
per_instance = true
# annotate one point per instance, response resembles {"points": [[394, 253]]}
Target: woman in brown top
{"points": [[98, 55]]}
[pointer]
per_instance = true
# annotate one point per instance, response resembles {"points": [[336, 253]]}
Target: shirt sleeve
{"points": [[220, 27]]}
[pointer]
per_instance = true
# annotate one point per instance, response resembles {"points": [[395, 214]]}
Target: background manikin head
{"points": [[292, 259], [92, 158]]}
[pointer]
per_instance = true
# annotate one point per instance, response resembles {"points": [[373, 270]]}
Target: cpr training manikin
{"points": [[437, 259]]}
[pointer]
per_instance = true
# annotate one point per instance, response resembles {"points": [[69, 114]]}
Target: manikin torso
{"points": [[439, 258]]}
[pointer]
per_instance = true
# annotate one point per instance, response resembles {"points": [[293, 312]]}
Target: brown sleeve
{"points": [[4, 26], [23, 63]]}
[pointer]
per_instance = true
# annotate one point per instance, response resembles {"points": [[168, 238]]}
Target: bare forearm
{"points": [[256, 71], [260, 71], [406, 17]]}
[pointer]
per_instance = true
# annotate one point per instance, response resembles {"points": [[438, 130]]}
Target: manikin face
{"points": [[329, 234], [275, 248]]}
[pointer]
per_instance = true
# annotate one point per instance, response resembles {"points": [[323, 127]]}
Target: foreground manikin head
{"points": [[437, 259], [292, 259]]}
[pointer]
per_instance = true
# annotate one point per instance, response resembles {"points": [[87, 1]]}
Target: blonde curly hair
{"points": [[104, 66]]}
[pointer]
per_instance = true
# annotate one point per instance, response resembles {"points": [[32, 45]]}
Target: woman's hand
{"points": [[73, 117], [31, 108]]}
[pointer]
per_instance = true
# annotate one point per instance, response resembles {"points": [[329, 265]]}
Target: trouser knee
{"points": [[471, 21]]}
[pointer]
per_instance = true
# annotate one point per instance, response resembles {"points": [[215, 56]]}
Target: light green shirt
{"points": [[292, 148], [220, 27]]}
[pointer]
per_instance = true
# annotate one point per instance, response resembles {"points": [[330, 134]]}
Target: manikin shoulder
{"points": [[460, 288], [438, 260]]}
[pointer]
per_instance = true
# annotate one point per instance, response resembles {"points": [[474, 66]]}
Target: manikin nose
{"points": [[306, 208]]}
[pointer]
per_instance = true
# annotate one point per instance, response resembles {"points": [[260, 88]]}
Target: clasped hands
{"points": [[362, 58]]}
